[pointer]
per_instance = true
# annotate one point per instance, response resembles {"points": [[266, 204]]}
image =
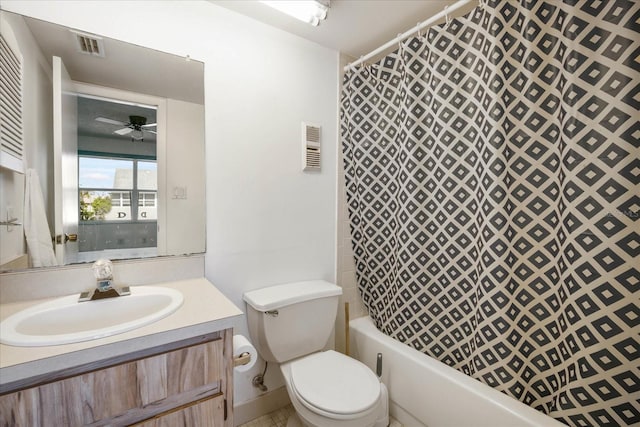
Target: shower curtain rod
{"points": [[447, 10]]}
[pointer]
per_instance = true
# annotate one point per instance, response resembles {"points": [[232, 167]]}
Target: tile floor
{"points": [[279, 419], [272, 419]]}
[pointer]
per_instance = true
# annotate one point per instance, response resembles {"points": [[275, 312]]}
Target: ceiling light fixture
{"points": [[137, 135], [310, 11]]}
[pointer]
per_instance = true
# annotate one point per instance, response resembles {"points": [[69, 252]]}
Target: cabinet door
{"points": [[206, 413]]}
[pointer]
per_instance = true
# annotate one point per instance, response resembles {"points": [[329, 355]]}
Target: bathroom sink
{"points": [[65, 320]]}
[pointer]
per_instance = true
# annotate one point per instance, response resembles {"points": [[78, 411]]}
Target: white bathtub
{"points": [[425, 392]]}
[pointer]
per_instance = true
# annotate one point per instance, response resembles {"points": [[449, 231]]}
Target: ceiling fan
{"points": [[136, 126]]}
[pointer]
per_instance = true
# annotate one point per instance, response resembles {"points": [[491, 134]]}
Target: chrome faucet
{"points": [[101, 293], [102, 270], [104, 285]]}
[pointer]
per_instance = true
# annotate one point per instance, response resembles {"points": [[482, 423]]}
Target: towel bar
{"points": [[11, 222]]}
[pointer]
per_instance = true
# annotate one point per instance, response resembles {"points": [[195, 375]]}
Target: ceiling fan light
{"points": [[137, 135], [309, 11]]}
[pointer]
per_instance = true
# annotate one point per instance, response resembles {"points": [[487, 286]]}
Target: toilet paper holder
{"points": [[242, 359]]}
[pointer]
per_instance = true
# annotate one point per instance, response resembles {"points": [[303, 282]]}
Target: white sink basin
{"points": [[65, 320]]}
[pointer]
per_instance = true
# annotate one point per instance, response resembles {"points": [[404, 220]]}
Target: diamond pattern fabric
{"points": [[493, 182]]}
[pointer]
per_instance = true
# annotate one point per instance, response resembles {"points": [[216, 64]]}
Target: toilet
{"points": [[290, 324]]}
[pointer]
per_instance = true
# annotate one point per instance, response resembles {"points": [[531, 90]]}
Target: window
{"points": [[146, 199], [120, 198], [109, 192]]}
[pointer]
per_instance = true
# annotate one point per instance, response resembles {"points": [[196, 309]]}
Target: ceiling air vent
{"points": [[310, 147], [89, 44]]}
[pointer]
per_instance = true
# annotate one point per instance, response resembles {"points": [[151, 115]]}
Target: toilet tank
{"points": [[292, 320]]}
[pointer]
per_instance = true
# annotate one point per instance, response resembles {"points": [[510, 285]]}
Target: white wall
{"points": [[267, 221], [185, 170]]}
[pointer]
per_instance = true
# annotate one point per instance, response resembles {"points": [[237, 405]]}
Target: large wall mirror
{"points": [[113, 135]]}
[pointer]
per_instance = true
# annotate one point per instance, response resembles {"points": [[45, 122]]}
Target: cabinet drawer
{"points": [[205, 413], [121, 394]]}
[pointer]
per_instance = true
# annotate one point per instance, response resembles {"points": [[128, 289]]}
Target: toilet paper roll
{"points": [[242, 345]]}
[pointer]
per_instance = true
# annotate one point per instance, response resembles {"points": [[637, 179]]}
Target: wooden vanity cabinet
{"points": [[183, 384]]}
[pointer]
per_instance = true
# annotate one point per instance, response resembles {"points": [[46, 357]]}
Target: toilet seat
{"points": [[334, 385]]}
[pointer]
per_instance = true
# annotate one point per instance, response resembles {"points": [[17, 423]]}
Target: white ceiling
{"points": [[353, 27]]}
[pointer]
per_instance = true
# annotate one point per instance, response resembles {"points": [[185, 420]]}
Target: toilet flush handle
{"points": [[379, 365], [272, 313]]}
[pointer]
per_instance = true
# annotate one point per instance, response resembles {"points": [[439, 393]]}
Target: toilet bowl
{"points": [[291, 324], [330, 389]]}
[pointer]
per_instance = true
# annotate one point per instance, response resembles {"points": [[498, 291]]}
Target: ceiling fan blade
{"points": [[123, 131], [149, 125], [110, 121], [150, 131]]}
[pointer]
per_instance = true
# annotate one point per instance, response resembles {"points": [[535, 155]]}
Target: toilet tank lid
{"points": [[278, 296]]}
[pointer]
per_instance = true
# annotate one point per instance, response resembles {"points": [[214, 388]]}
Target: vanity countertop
{"points": [[204, 310]]}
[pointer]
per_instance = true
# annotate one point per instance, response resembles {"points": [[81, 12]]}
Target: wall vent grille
{"points": [[11, 126], [89, 44], [310, 147]]}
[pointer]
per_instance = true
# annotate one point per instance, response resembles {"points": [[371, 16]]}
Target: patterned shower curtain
{"points": [[493, 182]]}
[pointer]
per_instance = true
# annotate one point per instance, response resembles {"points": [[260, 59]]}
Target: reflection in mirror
{"points": [[138, 166], [117, 179]]}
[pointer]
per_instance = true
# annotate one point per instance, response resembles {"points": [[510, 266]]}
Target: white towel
{"points": [[36, 228]]}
